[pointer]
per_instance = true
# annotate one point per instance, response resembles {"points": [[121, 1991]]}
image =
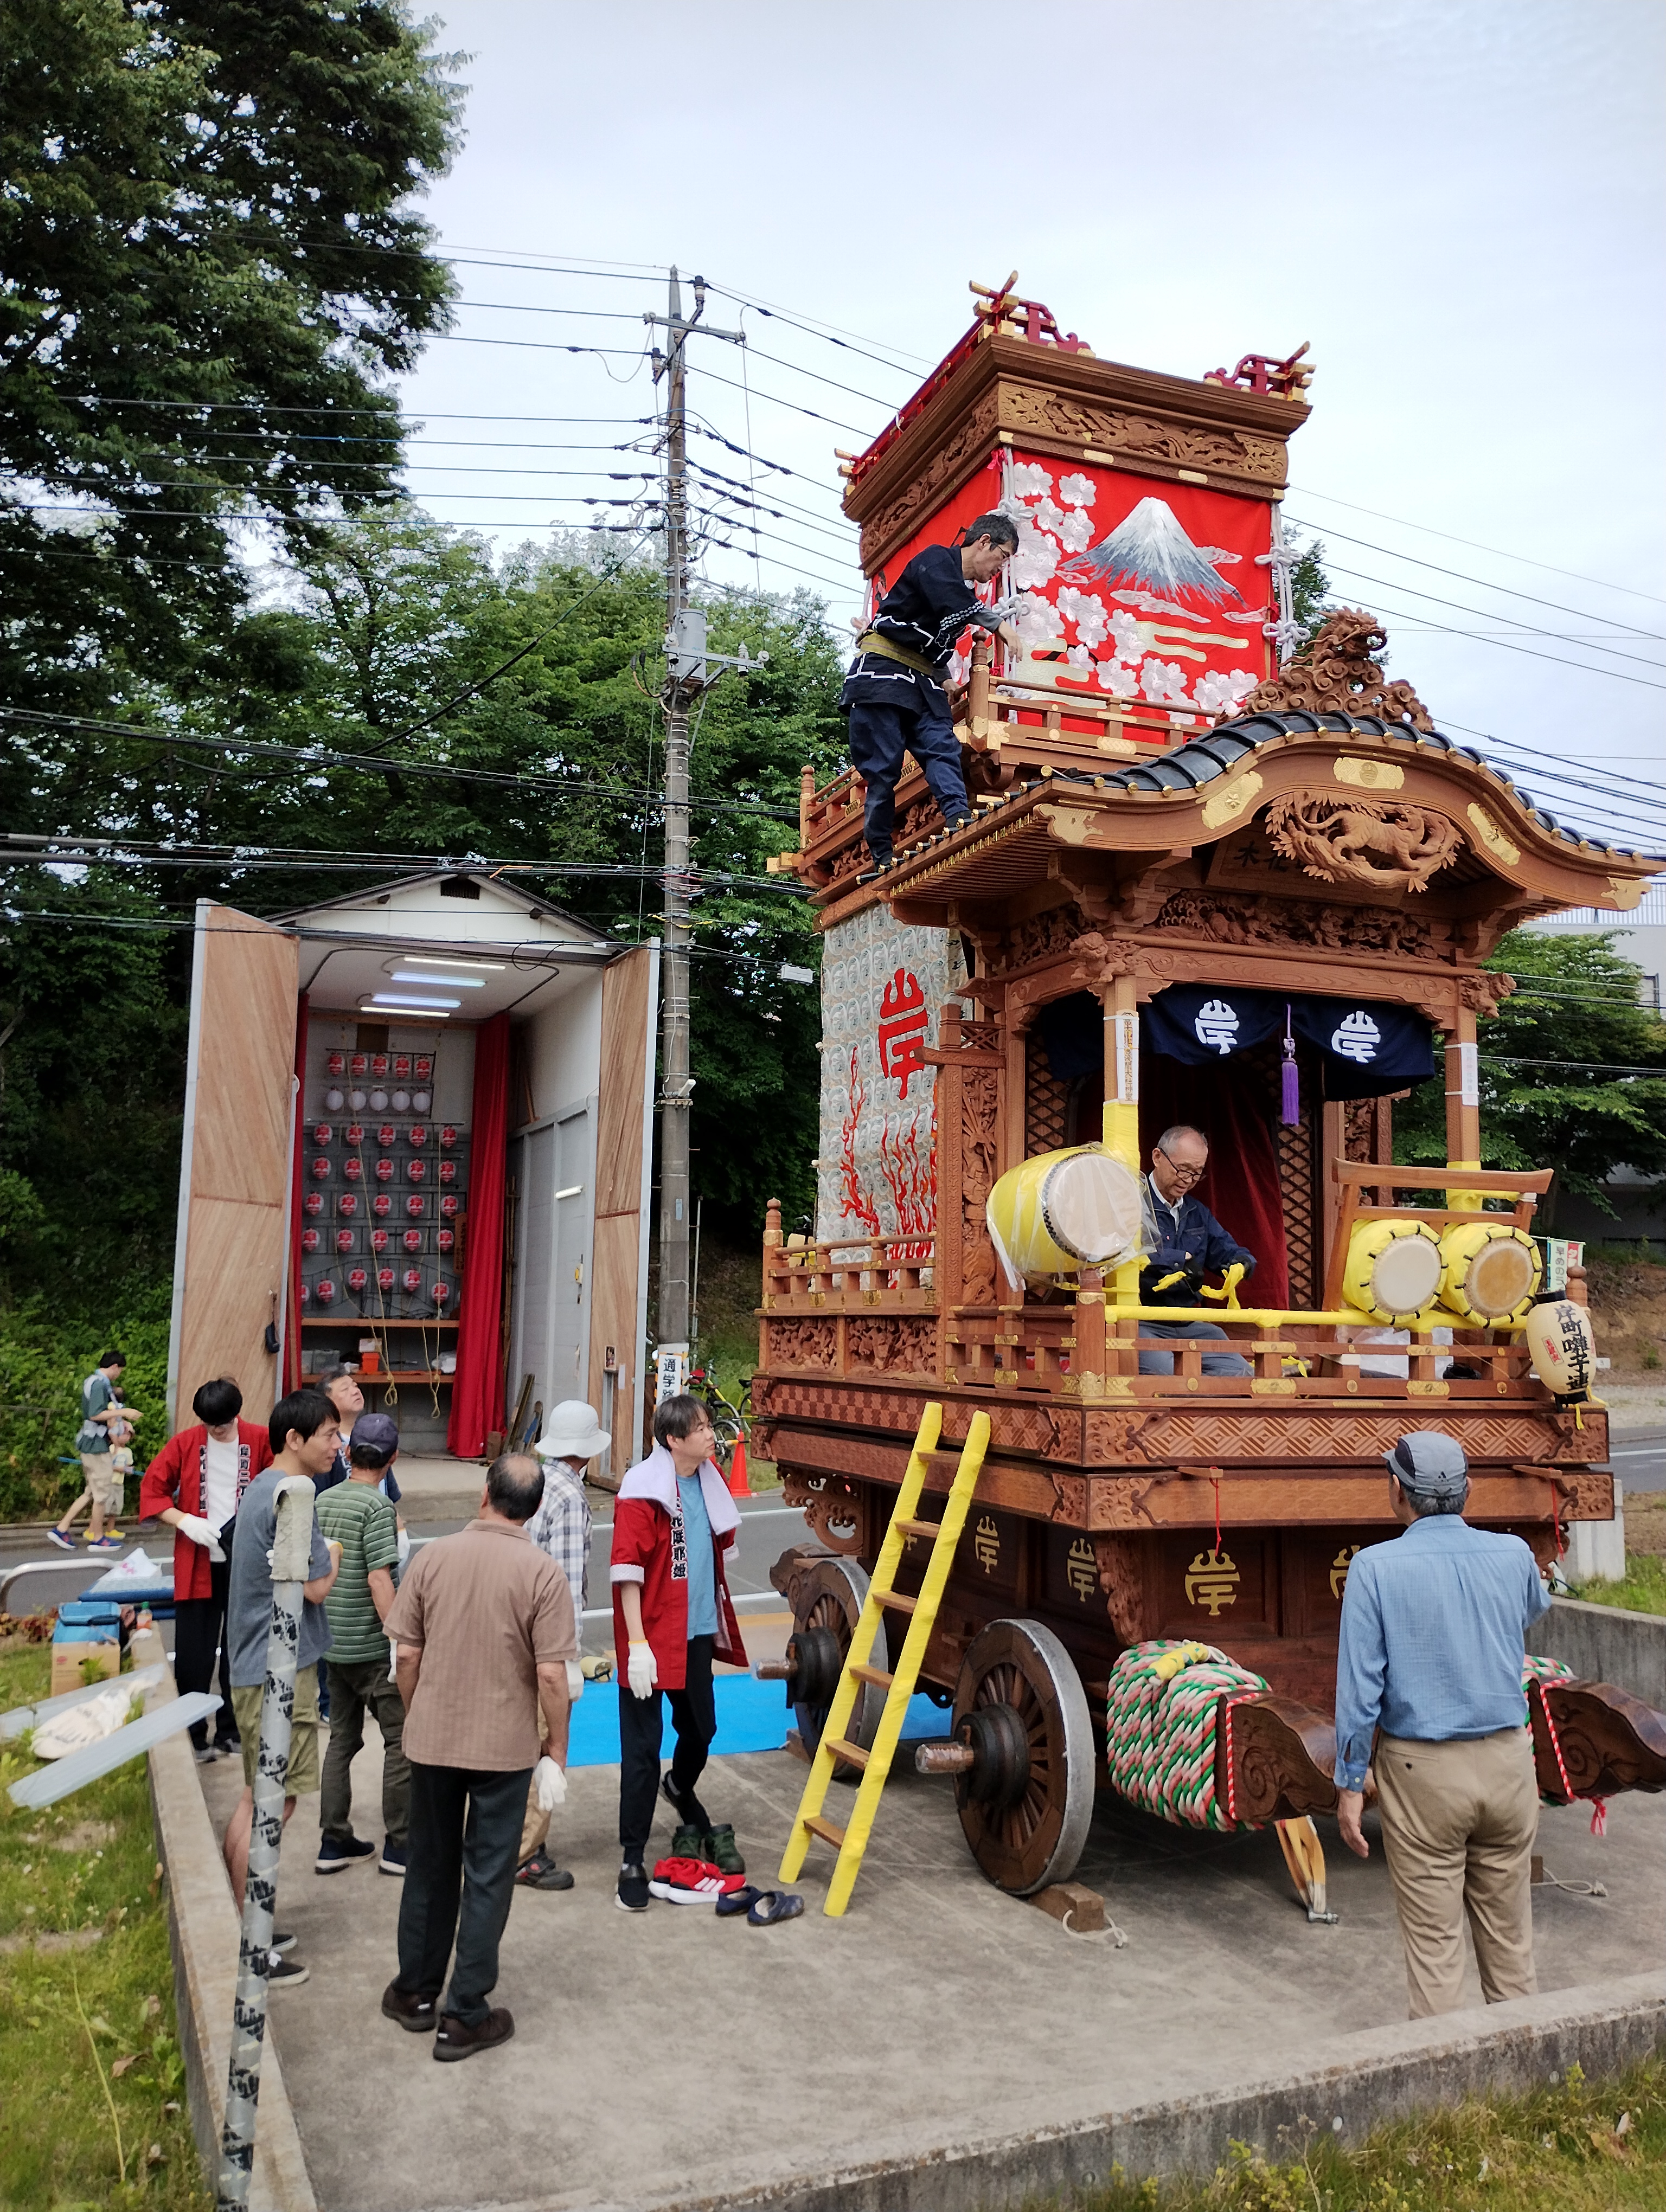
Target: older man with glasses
{"points": [[1185, 1242]]}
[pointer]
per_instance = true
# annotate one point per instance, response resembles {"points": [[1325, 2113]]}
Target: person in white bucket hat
{"points": [[572, 1438]]}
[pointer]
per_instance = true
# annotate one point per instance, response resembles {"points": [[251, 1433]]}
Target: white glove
{"points": [[550, 1784], [201, 1531], [405, 1549], [640, 1672], [575, 1680]]}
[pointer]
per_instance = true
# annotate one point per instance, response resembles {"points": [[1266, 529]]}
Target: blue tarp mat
{"points": [[751, 1715]]}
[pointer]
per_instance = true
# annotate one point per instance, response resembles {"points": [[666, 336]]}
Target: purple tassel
{"points": [[1290, 1095]]}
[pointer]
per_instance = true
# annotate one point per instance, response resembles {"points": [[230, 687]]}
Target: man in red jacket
{"points": [[196, 1483], [673, 1520]]}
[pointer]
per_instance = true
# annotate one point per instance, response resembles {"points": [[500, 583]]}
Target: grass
{"points": [[92, 2080], [1643, 1589], [1577, 2147]]}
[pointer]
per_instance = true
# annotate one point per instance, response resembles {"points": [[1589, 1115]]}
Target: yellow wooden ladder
{"points": [[851, 1841]]}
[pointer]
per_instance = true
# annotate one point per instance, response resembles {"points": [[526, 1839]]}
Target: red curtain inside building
{"points": [[290, 1378], [476, 1398], [1230, 1104]]}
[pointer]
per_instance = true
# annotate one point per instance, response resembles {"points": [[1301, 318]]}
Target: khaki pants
{"points": [[535, 1828], [1458, 1824], [103, 1478]]}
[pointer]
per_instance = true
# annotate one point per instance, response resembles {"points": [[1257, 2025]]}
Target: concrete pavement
{"points": [[663, 2059]]}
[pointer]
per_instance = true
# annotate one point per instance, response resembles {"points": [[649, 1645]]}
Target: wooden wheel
{"points": [[1027, 1801], [827, 1604]]}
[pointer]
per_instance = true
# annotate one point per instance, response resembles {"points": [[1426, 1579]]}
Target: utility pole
{"points": [[686, 676]]}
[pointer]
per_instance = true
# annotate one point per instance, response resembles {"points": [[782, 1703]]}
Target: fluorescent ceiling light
{"points": [[376, 1006], [395, 999], [444, 960], [451, 982]]}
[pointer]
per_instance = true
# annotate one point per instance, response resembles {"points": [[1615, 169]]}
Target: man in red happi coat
{"points": [[196, 1483]]}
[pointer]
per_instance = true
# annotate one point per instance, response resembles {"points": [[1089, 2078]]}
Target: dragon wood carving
{"points": [[1376, 841], [1335, 674], [979, 1103], [891, 1345]]}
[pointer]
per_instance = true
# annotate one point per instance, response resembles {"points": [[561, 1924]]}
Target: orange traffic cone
{"points": [[739, 1486]]}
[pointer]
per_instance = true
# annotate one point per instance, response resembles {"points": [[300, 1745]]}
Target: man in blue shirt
{"points": [[1432, 1640], [894, 691]]}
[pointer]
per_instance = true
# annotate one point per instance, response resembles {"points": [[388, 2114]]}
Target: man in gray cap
{"points": [[1433, 1629]]}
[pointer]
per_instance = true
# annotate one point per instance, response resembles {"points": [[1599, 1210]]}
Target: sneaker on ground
{"points": [[334, 1853], [720, 1848], [102, 1544], [689, 1843], [57, 1536], [417, 2014], [393, 1857], [633, 1891], [690, 1881], [208, 1753], [282, 1943], [283, 1973], [541, 1872]]}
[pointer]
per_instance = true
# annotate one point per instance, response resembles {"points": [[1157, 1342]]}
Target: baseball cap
{"points": [[1430, 1462], [374, 1433]]}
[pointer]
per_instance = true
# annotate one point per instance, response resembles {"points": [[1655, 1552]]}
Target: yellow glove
{"points": [[1168, 1281], [1229, 1285]]}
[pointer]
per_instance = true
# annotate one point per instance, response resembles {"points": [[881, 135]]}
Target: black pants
{"points": [[199, 1628], [881, 733], [463, 1841], [641, 1721]]}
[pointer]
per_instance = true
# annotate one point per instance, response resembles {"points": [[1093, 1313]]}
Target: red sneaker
{"points": [[691, 1881]]}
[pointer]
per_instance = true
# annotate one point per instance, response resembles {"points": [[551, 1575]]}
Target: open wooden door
{"points": [[624, 1156], [234, 1166]]}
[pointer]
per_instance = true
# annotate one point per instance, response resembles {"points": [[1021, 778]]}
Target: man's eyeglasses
{"points": [[1190, 1175]]}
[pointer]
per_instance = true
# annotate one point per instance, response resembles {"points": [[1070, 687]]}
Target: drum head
{"points": [[1092, 1208], [1405, 1274], [1500, 1276]]}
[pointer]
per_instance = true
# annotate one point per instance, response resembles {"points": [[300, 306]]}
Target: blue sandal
{"points": [[737, 1901]]}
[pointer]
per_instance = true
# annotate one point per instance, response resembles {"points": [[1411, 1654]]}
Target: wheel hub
{"points": [[816, 1658], [996, 1736]]}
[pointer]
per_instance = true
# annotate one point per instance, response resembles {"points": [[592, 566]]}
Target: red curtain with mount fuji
{"points": [[476, 1397]]}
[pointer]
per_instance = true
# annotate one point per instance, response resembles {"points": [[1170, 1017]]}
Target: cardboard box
{"points": [[71, 1646]]}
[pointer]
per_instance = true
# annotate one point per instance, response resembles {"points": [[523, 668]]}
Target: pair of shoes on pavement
{"points": [[541, 1872], [716, 1844], [282, 1971], [453, 2039], [690, 1881]]}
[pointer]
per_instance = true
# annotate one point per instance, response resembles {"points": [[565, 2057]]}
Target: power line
{"points": [[322, 757], [1532, 628], [1574, 574], [1555, 760], [1615, 674], [1486, 584], [234, 864]]}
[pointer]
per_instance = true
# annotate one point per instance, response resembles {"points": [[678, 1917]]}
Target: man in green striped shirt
{"points": [[360, 1520]]}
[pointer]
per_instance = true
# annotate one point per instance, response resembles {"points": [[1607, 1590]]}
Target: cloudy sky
{"points": [[1460, 207]]}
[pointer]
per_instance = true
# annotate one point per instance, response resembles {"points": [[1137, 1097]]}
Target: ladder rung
{"points": [[841, 1749], [894, 1602], [829, 1830], [919, 1528], [876, 1675]]}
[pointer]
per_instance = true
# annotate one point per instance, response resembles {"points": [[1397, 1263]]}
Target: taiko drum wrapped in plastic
{"points": [[1393, 1271], [1063, 1212], [1492, 1271], [1562, 1347]]}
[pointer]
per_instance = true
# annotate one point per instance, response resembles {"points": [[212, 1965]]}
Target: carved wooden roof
{"points": [[1350, 808]]}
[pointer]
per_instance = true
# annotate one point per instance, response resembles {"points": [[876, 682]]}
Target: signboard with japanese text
{"points": [[883, 986]]}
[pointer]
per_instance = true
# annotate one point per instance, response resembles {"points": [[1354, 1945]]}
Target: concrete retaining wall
{"points": [[1604, 1643], [204, 1936], [1388, 2074]]}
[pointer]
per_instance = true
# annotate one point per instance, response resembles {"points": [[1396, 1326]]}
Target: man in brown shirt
{"points": [[484, 1625]]}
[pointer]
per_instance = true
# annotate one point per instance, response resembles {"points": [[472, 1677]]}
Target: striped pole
{"points": [[292, 1549]]}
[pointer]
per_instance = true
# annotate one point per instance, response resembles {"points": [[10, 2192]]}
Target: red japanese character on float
{"points": [[903, 1015]]}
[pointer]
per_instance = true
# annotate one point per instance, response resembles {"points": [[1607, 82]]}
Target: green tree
{"points": [[1310, 587], [208, 262], [1551, 1092]]}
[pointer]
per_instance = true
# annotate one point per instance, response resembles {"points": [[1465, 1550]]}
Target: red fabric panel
{"points": [[290, 1378], [1228, 1103], [476, 1397]]}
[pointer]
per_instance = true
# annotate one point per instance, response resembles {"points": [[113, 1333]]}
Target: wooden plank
{"points": [[231, 1261], [842, 1749], [875, 1676], [615, 1254], [829, 1830]]}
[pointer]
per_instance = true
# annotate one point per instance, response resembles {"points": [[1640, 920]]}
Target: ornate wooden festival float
{"points": [[1213, 880]]}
